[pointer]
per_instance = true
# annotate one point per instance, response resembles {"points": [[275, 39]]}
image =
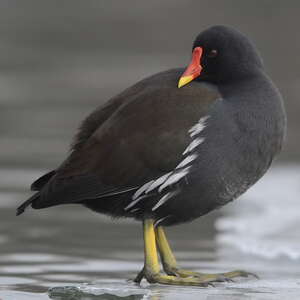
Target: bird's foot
{"points": [[172, 279], [174, 276], [190, 278], [218, 277]]}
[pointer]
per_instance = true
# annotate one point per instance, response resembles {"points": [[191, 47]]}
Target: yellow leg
{"points": [[151, 270], [151, 258], [170, 264], [167, 257]]}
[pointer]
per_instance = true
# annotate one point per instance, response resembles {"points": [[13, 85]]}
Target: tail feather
{"points": [[41, 182], [28, 202]]}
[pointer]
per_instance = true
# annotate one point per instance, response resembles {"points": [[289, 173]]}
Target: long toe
{"points": [[174, 280], [218, 277], [238, 273]]}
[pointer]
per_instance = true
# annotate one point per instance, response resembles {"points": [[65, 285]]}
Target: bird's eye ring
{"points": [[212, 53]]}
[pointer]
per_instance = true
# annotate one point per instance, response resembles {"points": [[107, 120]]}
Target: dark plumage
{"points": [[141, 135]]}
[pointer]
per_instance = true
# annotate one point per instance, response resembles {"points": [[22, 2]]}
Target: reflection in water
{"points": [[262, 289], [110, 291]]}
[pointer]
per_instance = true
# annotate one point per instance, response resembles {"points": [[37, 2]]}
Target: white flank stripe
{"points": [[187, 160], [156, 223], [164, 199], [196, 129], [195, 143], [158, 182], [174, 178], [133, 203], [134, 210], [181, 170], [142, 189]]}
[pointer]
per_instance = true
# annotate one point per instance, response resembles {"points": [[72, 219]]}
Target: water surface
{"points": [[69, 252]]}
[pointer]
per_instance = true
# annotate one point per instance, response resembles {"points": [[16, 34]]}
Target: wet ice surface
{"points": [[71, 253]]}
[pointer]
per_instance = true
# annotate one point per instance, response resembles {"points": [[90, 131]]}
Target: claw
{"points": [[253, 275], [226, 279], [139, 277]]}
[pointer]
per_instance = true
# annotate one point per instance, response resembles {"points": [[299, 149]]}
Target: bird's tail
{"points": [[28, 202]]}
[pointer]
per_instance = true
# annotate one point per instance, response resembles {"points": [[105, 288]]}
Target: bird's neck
{"points": [[244, 86]]}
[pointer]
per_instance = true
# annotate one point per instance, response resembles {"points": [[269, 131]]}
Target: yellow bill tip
{"points": [[184, 80]]}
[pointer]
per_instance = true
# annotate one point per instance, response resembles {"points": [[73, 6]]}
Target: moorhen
{"points": [[174, 147]]}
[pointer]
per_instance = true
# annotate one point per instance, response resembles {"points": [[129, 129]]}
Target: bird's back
{"points": [[135, 137]]}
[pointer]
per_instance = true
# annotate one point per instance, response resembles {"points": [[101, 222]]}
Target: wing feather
{"points": [[128, 142]]}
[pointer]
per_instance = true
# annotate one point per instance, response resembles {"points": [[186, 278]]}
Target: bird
{"points": [[174, 147]]}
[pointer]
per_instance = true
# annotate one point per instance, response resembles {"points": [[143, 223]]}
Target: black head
{"points": [[225, 54]]}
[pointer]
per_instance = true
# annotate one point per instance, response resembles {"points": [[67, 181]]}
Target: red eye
{"points": [[212, 53]]}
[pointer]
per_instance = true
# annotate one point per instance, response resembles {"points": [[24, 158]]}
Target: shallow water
{"points": [[69, 252]]}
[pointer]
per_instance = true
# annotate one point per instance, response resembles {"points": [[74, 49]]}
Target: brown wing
{"points": [[146, 135], [143, 138]]}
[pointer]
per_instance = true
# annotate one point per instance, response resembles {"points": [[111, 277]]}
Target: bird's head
{"points": [[219, 54]]}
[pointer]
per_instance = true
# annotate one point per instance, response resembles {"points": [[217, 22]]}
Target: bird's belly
{"points": [[210, 189]]}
